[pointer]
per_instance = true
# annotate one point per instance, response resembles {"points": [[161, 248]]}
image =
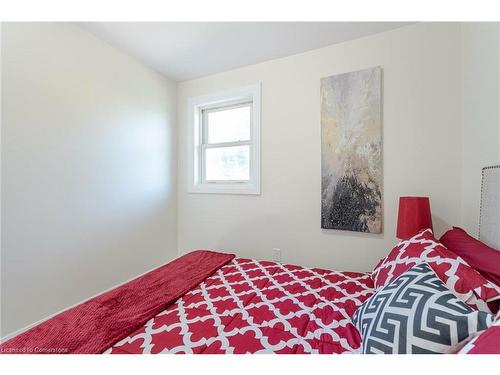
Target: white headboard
{"points": [[489, 217]]}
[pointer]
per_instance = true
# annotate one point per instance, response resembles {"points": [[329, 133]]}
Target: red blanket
{"points": [[98, 323]]}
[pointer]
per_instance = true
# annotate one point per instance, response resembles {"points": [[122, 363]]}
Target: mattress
{"points": [[251, 306]]}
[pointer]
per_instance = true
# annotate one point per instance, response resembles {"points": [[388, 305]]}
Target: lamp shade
{"points": [[414, 214]]}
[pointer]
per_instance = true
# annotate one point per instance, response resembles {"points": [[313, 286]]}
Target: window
{"points": [[225, 142]]}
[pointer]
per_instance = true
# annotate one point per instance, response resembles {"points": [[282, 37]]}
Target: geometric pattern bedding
{"points": [[416, 313], [463, 280], [251, 306]]}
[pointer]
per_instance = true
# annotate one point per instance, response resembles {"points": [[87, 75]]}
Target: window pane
{"points": [[227, 163], [229, 125]]}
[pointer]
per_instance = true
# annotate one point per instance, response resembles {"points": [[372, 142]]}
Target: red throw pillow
{"points": [[468, 284], [483, 258]]}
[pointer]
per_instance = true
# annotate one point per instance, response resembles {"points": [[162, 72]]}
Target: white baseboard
{"points": [[19, 331]]}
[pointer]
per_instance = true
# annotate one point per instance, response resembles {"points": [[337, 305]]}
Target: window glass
{"points": [[229, 125], [227, 163]]}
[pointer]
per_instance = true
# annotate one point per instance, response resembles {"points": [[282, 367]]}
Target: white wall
{"points": [[480, 110], [88, 169], [422, 149]]}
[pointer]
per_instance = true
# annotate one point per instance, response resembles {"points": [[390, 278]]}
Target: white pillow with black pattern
{"points": [[416, 313]]}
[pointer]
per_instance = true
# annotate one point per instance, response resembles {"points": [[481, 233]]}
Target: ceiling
{"points": [[187, 50]]}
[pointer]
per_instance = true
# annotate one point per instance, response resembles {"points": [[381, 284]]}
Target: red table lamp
{"points": [[414, 215]]}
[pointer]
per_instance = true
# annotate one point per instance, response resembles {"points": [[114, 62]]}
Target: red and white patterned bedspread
{"points": [[251, 306]]}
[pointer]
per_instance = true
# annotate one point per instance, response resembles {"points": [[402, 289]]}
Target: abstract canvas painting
{"points": [[351, 151]]}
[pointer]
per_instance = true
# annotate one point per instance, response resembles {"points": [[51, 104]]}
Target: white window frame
{"points": [[196, 145]]}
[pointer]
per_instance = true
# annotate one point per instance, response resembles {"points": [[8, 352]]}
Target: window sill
{"points": [[244, 189]]}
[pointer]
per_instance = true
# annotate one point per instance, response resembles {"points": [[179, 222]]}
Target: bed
{"points": [[251, 306], [210, 302]]}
